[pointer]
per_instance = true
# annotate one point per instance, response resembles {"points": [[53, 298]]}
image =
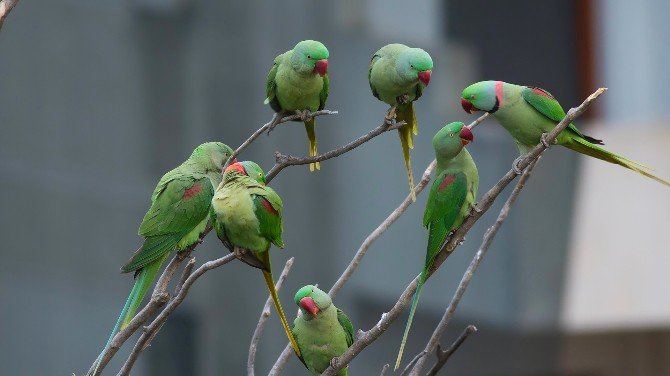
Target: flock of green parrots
{"points": [[247, 214]]}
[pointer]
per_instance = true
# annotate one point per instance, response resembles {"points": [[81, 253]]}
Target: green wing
{"points": [[271, 86], [447, 196], [346, 325], [177, 209], [268, 207], [323, 95], [372, 62], [547, 105]]}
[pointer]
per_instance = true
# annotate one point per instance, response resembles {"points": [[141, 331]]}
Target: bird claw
{"points": [[304, 115], [515, 165], [389, 119], [403, 99], [545, 142]]}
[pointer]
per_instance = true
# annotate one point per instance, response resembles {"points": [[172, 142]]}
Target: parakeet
{"points": [[452, 195], [247, 214], [322, 330], [179, 214], [398, 75], [529, 112], [298, 81]]}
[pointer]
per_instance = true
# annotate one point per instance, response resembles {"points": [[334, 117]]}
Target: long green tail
{"points": [[415, 301], [406, 113], [143, 281], [275, 298], [311, 136], [582, 146]]}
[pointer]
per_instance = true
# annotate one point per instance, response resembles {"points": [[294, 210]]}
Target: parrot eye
{"points": [[472, 96], [451, 134], [411, 66], [260, 174], [309, 56]]}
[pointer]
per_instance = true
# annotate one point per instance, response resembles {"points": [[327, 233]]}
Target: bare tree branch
{"points": [[443, 356], [6, 6], [456, 238], [265, 315], [384, 369]]}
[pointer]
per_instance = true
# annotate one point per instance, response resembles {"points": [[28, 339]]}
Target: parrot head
{"points": [[482, 96], [312, 301], [211, 155], [415, 64], [248, 168], [310, 56], [451, 139]]}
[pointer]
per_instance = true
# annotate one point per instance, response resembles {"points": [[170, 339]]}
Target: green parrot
{"points": [[247, 214], [179, 214], [398, 75], [298, 81], [322, 330], [452, 195], [529, 112]]}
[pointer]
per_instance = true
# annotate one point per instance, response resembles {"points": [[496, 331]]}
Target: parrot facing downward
{"points": [[298, 81], [322, 330], [398, 74], [247, 214], [452, 195], [178, 215], [529, 112]]}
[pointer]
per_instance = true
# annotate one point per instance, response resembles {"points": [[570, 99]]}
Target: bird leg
{"points": [[545, 142], [239, 252], [304, 114], [402, 99], [515, 165], [389, 119]]}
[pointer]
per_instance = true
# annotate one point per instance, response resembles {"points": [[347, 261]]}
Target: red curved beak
{"points": [[466, 136], [236, 167], [321, 67], [309, 305], [424, 77], [467, 106]]}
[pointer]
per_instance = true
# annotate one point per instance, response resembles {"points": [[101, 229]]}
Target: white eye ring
{"points": [[451, 134], [472, 96]]}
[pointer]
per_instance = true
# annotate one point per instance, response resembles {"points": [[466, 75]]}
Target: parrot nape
{"points": [[529, 112], [452, 195], [322, 330], [247, 214], [398, 75], [178, 216], [298, 81]]}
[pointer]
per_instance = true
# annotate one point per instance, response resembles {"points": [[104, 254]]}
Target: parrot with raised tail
{"points": [[398, 74], [178, 216], [247, 215], [452, 195], [322, 330], [298, 81], [527, 113]]}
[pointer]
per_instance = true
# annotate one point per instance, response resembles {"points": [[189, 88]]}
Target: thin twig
{"points": [[454, 241], [6, 6], [411, 363], [384, 369], [148, 334], [265, 314], [443, 356], [188, 269], [478, 121], [282, 161]]}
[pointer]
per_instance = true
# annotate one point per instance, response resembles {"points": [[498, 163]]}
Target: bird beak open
{"points": [[467, 106], [466, 136], [424, 77], [321, 67], [309, 305]]}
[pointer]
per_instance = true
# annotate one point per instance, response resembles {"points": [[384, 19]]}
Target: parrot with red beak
{"points": [[398, 75], [452, 195], [246, 214], [298, 81], [322, 330], [527, 113]]}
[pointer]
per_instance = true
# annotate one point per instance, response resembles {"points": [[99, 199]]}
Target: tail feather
{"points": [[275, 298], [143, 280], [415, 301], [406, 132], [585, 147], [311, 136]]}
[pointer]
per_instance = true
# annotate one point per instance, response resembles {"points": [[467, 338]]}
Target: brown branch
{"points": [[443, 356], [469, 272], [265, 315], [455, 239], [6, 7]]}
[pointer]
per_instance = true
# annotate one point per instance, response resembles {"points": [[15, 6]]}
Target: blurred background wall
{"points": [[98, 99]]}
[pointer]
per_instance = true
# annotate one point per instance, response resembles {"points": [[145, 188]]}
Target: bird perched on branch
{"points": [[298, 81], [322, 330], [527, 113], [398, 75], [178, 216], [452, 195], [247, 217]]}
